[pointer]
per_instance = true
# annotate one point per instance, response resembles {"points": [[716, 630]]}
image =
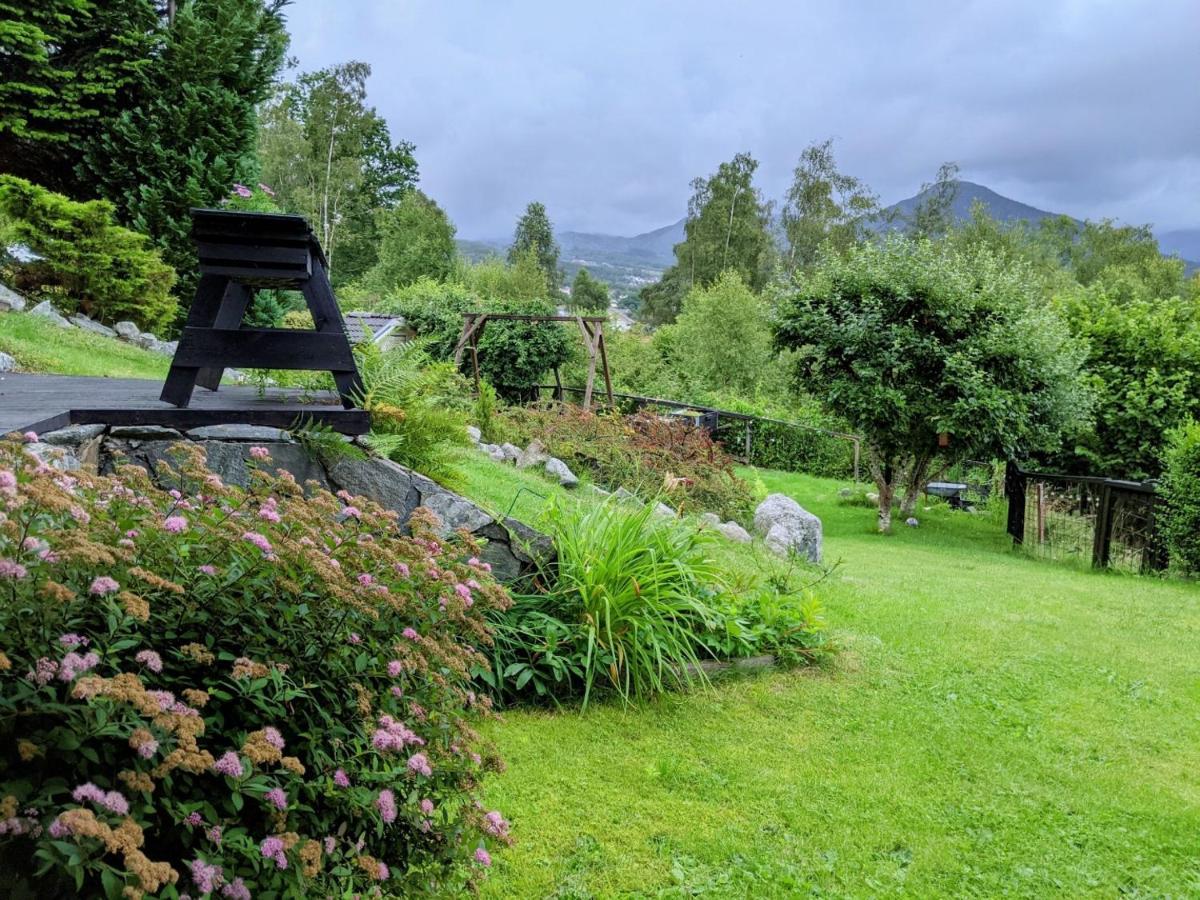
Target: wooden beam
{"points": [[181, 379], [343, 421], [265, 348], [604, 363], [233, 308]]}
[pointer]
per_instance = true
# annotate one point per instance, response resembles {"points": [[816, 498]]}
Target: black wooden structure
{"points": [[1107, 519], [241, 253]]}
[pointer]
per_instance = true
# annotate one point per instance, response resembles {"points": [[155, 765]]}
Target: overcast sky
{"points": [[605, 111]]}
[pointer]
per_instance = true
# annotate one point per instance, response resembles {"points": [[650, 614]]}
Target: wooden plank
{"points": [[532, 318], [273, 276], [258, 253], [181, 379], [265, 348], [327, 319], [229, 315]]}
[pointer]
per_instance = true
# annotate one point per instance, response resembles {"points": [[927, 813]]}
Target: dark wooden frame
{"points": [[590, 327], [240, 253]]}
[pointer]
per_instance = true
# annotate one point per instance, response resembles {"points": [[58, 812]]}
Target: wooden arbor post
{"points": [[590, 327], [241, 253]]}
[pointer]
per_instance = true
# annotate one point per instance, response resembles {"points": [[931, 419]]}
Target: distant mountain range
{"points": [[629, 263]]}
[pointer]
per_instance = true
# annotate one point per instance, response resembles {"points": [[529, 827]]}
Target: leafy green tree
{"points": [[1180, 492], [824, 205], [191, 135], [87, 261], [727, 228], [909, 340], [1143, 367], [933, 216], [535, 234], [588, 293], [69, 67], [330, 157], [723, 337], [1087, 249], [416, 240]]}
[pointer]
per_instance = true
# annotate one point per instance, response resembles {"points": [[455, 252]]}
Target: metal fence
{"points": [[1106, 521]]}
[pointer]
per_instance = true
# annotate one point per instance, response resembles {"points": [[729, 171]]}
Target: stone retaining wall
{"points": [[511, 547]]}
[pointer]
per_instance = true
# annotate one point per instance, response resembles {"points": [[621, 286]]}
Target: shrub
{"points": [[418, 407], [87, 260], [1180, 492], [629, 601], [246, 691], [635, 604], [642, 453]]}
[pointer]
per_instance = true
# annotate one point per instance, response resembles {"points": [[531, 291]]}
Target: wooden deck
{"points": [[46, 402]]}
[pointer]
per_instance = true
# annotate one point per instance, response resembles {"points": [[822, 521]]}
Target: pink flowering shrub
{"points": [[244, 706]]}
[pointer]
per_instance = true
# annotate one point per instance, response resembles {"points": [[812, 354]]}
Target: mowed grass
{"points": [[992, 726], [40, 346]]}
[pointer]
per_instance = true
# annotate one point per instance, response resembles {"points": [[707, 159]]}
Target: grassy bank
{"points": [[39, 346], [994, 726]]}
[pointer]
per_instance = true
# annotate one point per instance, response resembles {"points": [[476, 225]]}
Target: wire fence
{"points": [[1106, 522]]}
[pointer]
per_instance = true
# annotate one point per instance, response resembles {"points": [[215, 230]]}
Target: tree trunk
{"points": [[884, 473], [914, 483]]}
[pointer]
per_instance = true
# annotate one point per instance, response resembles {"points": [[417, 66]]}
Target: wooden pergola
{"points": [[590, 327]]}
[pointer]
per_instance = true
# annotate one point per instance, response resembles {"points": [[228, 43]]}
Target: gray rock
{"points": [[596, 489], [81, 321], [166, 348], [72, 435], [533, 455], [662, 510], [511, 452], [474, 434], [10, 300], [912, 522], [788, 527], [387, 483], [127, 331], [734, 532], [621, 493], [872, 497], [7, 363], [46, 311], [497, 454], [144, 433], [228, 459], [145, 340], [240, 433], [845, 493], [60, 458], [711, 519], [557, 468]]}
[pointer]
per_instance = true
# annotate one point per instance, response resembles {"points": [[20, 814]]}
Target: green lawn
{"points": [[40, 346], [993, 726]]}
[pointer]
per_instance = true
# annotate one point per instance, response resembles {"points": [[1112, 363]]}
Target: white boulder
{"points": [[559, 469], [46, 311], [734, 532], [787, 527]]}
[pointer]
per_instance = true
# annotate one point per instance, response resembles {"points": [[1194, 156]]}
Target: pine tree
{"points": [[534, 232]]}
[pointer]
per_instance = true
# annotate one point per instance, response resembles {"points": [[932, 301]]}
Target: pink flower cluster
{"points": [[410, 634], [258, 541], [102, 585], [73, 640], [73, 664], [269, 511], [477, 563], [10, 569], [395, 667], [495, 824], [260, 453], [419, 763], [207, 877], [112, 800], [393, 736], [277, 798], [175, 524], [465, 593], [341, 779], [229, 764], [482, 857], [386, 803], [272, 848], [44, 670], [272, 736], [150, 659]]}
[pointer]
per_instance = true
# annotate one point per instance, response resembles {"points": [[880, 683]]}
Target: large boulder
{"points": [[787, 527], [533, 455], [734, 532], [474, 434], [127, 331], [81, 321], [10, 300], [511, 452], [7, 363], [556, 468], [46, 311]]}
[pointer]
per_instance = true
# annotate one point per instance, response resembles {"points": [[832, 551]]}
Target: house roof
{"points": [[378, 325]]}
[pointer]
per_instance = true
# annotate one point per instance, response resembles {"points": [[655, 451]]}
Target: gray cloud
{"points": [[606, 111]]}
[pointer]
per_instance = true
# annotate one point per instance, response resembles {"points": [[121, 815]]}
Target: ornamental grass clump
{"points": [[223, 692]]}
